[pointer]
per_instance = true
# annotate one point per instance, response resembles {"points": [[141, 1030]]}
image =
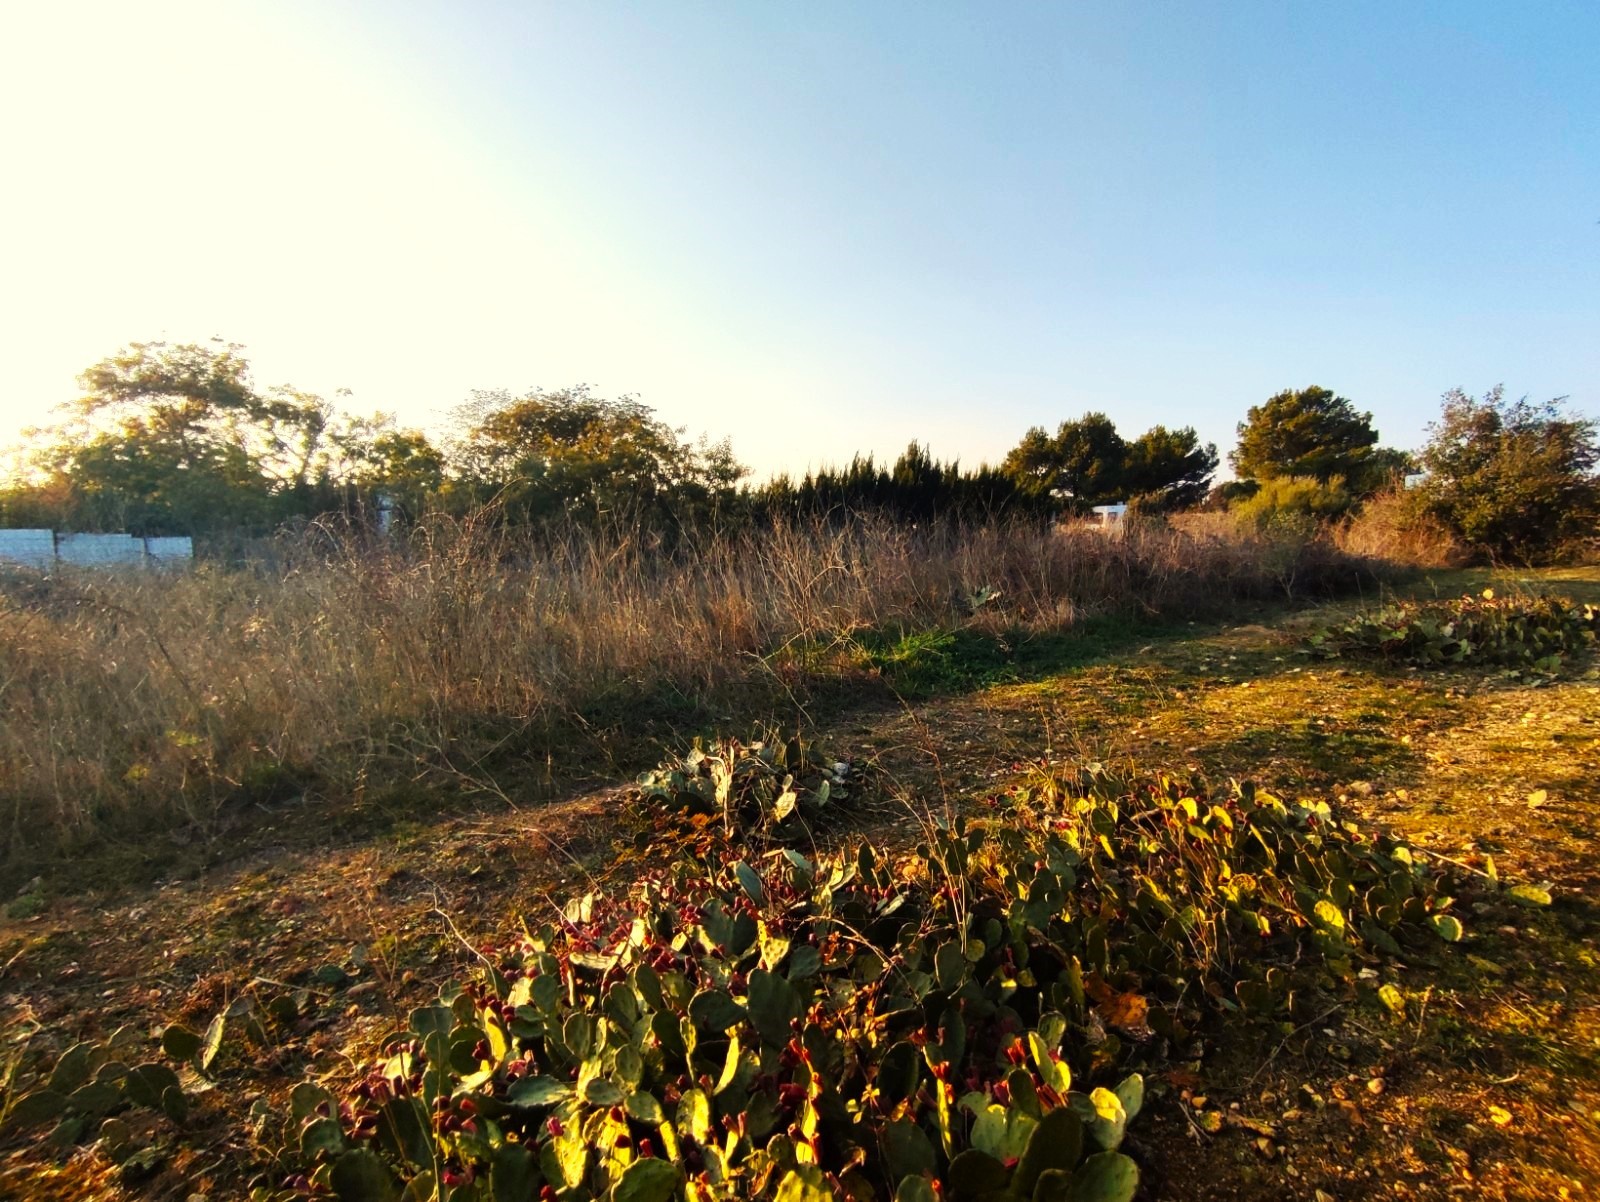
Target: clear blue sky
{"points": [[819, 228]]}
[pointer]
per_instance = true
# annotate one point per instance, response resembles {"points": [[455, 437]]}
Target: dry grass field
{"points": [[141, 899], [139, 704]]}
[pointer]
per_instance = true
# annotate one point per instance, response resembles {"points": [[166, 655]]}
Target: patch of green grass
{"points": [[26, 906], [928, 663], [923, 663]]}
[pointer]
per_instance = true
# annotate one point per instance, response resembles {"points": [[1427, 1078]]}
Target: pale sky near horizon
{"points": [[816, 229]]}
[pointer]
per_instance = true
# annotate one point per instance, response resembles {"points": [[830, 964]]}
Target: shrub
{"points": [[768, 786], [1514, 480], [1293, 506]]}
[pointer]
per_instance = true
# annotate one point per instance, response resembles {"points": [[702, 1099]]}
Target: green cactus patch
{"points": [[770, 786], [87, 1088], [1535, 633], [775, 1026]]}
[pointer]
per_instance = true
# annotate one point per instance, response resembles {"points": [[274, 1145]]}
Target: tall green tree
{"points": [[1087, 463], [572, 455], [201, 399], [403, 465], [916, 487], [147, 479], [1305, 432], [1170, 468], [177, 439], [1084, 462], [1514, 479]]}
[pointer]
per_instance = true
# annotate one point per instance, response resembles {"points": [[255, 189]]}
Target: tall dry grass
{"points": [[136, 701], [1392, 525]]}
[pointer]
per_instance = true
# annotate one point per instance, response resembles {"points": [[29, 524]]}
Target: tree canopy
{"points": [[573, 455], [1087, 463], [915, 487], [177, 439], [1512, 478], [1305, 432], [1170, 466]]}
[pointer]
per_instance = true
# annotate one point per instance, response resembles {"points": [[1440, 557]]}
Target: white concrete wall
{"points": [[100, 550], [172, 551], [46, 550], [30, 548]]}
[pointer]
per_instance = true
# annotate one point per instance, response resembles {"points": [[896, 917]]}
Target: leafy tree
{"points": [[401, 464], [29, 498], [1170, 467], [200, 399], [150, 480], [175, 439], [1032, 463], [1305, 432], [1087, 462], [571, 455], [1084, 461], [178, 440], [1515, 480]]}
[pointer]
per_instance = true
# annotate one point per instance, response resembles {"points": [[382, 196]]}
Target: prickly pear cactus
{"points": [[966, 1021]]}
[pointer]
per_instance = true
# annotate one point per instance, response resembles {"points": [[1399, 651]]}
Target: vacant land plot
{"points": [[1474, 1072]]}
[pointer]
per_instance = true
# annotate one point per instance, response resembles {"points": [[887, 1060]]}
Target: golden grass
{"points": [[135, 702], [1391, 525]]}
